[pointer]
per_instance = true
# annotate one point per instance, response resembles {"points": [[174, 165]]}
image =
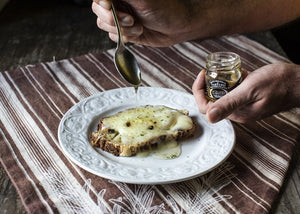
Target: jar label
{"points": [[218, 84], [217, 93], [218, 88]]}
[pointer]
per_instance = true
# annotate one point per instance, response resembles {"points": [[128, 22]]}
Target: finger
{"points": [[102, 13], [103, 3], [254, 111], [226, 105], [114, 37], [198, 89], [129, 34], [105, 16], [244, 114], [106, 27]]}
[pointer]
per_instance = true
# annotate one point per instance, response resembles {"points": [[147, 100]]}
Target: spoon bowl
{"points": [[124, 60]]}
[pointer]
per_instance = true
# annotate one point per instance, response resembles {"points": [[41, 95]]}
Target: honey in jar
{"points": [[223, 74]]}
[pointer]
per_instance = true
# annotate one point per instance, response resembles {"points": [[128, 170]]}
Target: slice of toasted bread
{"points": [[138, 129]]}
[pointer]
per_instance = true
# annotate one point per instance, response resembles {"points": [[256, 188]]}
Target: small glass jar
{"points": [[223, 74]]}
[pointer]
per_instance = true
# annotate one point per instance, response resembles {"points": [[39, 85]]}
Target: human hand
{"points": [[168, 22], [154, 22], [264, 92]]}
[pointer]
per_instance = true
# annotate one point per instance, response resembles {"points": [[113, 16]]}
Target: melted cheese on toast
{"points": [[132, 129]]}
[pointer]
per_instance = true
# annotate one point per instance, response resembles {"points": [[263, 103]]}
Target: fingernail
{"points": [[214, 115], [200, 73], [126, 21], [198, 76], [135, 30], [104, 4]]}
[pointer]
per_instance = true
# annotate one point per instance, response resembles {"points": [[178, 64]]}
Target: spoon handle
{"points": [[120, 38]]}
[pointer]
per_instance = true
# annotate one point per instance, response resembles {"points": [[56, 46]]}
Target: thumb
{"points": [[227, 104]]}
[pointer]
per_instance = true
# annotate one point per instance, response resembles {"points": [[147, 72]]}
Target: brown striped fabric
{"points": [[34, 98]]}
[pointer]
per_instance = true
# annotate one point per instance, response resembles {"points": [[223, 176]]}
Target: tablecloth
{"points": [[34, 98]]}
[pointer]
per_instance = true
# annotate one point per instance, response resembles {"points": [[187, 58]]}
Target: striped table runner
{"points": [[34, 98]]}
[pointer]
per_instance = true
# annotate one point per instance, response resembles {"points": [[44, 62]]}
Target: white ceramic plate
{"points": [[210, 146]]}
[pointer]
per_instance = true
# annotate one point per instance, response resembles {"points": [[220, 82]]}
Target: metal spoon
{"points": [[125, 61]]}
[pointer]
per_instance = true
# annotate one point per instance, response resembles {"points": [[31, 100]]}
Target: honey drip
{"points": [[136, 87]]}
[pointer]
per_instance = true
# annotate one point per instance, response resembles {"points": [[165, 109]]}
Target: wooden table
{"points": [[36, 31]]}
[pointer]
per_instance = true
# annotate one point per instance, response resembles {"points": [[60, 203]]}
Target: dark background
{"points": [[33, 31], [288, 37]]}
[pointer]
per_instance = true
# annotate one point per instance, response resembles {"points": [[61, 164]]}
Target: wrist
{"points": [[293, 84]]}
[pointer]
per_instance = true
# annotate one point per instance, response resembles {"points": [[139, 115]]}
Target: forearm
{"points": [[220, 17], [168, 22]]}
